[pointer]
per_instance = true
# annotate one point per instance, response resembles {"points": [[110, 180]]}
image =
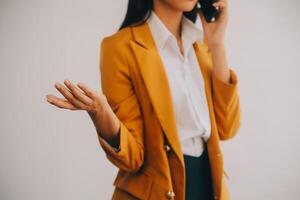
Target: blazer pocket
{"points": [[138, 185]]}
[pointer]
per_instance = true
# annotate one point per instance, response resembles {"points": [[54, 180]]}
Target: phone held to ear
{"points": [[210, 13]]}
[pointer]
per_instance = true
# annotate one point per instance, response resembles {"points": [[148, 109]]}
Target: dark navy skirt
{"points": [[198, 177]]}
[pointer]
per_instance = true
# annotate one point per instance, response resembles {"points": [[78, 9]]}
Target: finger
{"points": [[223, 9], [69, 96], [220, 5], [61, 103], [88, 91], [77, 93]]}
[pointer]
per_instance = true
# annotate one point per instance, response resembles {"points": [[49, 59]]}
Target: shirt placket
{"points": [[188, 84]]}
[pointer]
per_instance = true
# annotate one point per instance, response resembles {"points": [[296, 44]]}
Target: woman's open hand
{"points": [[95, 103], [75, 99]]}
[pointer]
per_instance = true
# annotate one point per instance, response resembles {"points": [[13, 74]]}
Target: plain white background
{"points": [[47, 153]]}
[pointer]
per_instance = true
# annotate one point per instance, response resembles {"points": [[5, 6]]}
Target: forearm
{"points": [[220, 64]]}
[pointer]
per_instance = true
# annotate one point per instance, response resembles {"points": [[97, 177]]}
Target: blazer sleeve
{"points": [[116, 85], [226, 105]]}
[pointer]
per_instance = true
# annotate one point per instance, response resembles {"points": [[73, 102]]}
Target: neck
{"points": [[170, 17]]}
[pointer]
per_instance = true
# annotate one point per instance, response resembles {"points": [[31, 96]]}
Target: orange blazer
{"points": [[150, 161]]}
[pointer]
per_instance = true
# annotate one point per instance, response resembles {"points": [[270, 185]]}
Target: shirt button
{"points": [[170, 194], [167, 147]]}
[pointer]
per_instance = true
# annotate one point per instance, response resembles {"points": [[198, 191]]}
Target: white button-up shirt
{"points": [[185, 81]]}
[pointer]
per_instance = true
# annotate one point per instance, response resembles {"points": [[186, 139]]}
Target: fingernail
{"points": [[57, 85], [67, 81]]}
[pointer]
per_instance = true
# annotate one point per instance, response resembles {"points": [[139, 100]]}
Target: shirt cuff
{"points": [[109, 146]]}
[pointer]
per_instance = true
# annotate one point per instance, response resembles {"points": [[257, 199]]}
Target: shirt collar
{"points": [[191, 32]]}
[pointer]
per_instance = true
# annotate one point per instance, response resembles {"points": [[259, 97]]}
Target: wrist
{"points": [[106, 123], [216, 46], [112, 139]]}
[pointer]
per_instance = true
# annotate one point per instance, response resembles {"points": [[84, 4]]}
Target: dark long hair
{"points": [[138, 11]]}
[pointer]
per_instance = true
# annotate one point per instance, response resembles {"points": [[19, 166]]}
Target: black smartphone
{"points": [[209, 11]]}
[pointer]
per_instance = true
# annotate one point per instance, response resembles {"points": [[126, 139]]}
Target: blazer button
{"points": [[170, 194], [167, 147]]}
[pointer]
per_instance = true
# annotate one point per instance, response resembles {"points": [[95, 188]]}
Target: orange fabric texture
{"points": [[136, 87]]}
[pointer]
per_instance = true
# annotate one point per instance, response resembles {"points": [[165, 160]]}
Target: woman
{"points": [[168, 99]]}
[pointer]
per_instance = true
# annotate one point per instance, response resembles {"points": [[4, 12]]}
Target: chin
{"points": [[182, 5]]}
